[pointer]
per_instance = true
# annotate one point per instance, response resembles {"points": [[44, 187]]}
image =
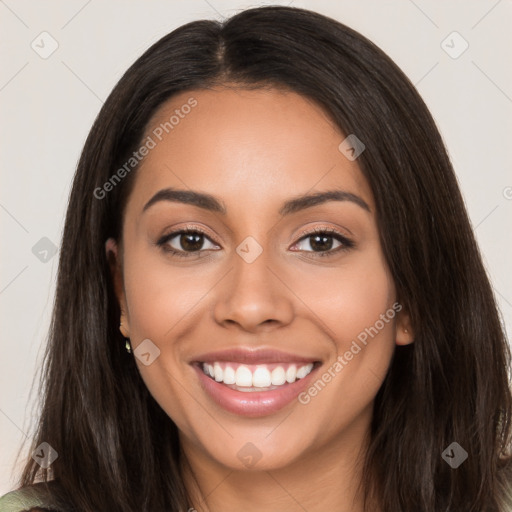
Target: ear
{"points": [[116, 269], [404, 331]]}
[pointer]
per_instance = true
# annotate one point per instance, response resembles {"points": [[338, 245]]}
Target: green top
{"points": [[21, 500]]}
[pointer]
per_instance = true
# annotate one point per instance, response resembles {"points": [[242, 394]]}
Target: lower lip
{"points": [[252, 403]]}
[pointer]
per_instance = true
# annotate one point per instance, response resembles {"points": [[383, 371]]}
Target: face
{"points": [[260, 308]]}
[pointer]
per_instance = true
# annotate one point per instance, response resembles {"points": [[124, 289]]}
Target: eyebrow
{"points": [[211, 203]]}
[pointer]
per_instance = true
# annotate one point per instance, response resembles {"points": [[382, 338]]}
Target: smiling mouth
{"points": [[258, 377]]}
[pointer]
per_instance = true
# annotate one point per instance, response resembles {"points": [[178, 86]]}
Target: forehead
{"points": [[252, 148]]}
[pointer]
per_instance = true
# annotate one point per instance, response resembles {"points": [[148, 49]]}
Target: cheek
{"points": [[345, 299], [349, 299], [357, 303], [159, 295], [162, 304]]}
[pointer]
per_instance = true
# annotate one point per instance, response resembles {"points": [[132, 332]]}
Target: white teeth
{"points": [[291, 373], [262, 377], [304, 370], [243, 376], [229, 375], [217, 372], [278, 376]]}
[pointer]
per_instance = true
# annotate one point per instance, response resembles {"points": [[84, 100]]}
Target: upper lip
{"points": [[252, 356]]}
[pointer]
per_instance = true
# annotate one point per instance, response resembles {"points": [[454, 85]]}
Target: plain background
{"points": [[47, 107]]}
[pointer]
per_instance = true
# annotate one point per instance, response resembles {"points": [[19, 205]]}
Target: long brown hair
{"points": [[118, 450]]}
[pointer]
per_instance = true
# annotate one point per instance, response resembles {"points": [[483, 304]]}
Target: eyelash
{"points": [[347, 244]]}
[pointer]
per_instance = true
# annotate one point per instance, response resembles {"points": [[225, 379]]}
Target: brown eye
{"points": [[185, 241], [191, 241], [322, 242]]}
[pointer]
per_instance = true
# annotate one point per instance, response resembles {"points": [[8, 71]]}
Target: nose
{"points": [[254, 296]]}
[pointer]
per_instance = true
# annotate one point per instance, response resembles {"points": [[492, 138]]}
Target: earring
{"points": [[127, 345], [405, 330]]}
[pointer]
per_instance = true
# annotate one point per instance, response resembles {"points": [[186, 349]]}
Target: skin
{"points": [[254, 150]]}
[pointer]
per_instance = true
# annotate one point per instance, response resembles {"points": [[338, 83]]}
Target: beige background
{"points": [[47, 107]]}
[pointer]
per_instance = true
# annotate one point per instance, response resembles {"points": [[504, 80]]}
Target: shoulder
{"points": [[505, 485], [508, 498], [23, 499]]}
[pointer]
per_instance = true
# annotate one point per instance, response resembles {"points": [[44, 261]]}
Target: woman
{"points": [[269, 292]]}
